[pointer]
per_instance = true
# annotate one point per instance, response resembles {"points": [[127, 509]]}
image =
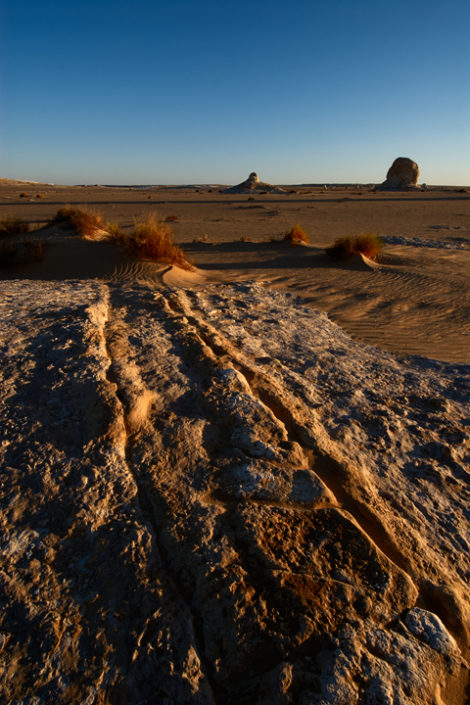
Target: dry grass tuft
{"points": [[295, 235], [83, 221], [153, 240], [114, 230], [368, 244], [13, 226], [22, 253], [171, 218]]}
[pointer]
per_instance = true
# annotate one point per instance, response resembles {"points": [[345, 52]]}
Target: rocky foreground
{"points": [[218, 497]]}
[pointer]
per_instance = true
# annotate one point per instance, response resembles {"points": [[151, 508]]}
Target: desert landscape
{"points": [[245, 481], [416, 302]]}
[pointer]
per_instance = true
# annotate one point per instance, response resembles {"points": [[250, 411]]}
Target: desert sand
{"points": [[248, 483], [416, 302]]}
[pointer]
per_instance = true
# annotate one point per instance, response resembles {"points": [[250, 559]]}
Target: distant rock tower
{"points": [[253, 185], [403, 174]]}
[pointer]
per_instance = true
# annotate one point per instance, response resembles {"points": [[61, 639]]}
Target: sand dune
{"points": [[414, 300]]}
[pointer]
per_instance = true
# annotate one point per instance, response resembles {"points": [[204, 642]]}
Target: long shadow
{"points": [[272, 256]]}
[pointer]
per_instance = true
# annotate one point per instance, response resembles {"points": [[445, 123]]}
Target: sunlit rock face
{"points": [[199, 505], [403, 174]]}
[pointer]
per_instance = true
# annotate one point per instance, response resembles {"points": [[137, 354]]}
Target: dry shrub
{"points": [[39, 195], [342, 248], [171, 218], [295, 235], [23, 194], [114, 230], [22, 253], [368, 244], [153, 240], [13, 226], [83, 221]]}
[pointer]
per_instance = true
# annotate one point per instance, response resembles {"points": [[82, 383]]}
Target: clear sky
{"points": [[198, 91]]}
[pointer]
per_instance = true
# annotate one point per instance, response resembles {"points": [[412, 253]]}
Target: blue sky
{"points": [[135, 91]]}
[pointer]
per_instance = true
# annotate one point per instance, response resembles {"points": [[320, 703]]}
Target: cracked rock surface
{"points": [[217, 496]]}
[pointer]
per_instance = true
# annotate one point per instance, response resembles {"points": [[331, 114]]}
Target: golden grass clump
{"points": [[296, 235], [153, 240], [83, 221], [368, 244], [13, 226], [114, 230]]}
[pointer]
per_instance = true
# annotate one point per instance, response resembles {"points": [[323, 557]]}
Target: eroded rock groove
{"points": [[330, 471], [115, 336]]}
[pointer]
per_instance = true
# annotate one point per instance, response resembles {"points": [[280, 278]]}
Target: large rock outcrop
{"points": [[200, 506], [252, 185], [402, 175]]}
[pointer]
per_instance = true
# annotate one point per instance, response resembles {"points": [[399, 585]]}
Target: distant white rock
{"points": [[253, 184], [402, 175]]}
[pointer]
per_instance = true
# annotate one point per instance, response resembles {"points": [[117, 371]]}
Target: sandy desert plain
{"points": [[418, 302], [247, 483]]}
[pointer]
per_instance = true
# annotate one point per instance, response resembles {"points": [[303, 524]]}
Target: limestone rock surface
{"points": [[403, 174], [217, 496]]}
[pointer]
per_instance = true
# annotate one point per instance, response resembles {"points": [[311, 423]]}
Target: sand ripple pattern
{"points": [[408, 308], [139, 271]]}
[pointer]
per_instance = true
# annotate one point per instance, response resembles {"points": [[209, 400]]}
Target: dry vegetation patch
{"points": [[153, 240], [13, 226], [368, 244], [114, 230], [296, 235], [25, 252], [83, 221]]}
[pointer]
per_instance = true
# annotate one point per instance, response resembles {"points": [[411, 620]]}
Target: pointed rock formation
{"points": [[403, 174], [253, 184]]}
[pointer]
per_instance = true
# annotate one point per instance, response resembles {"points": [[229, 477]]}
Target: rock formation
{"points": [[252, 185], [402, 175], [201, 507]]}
